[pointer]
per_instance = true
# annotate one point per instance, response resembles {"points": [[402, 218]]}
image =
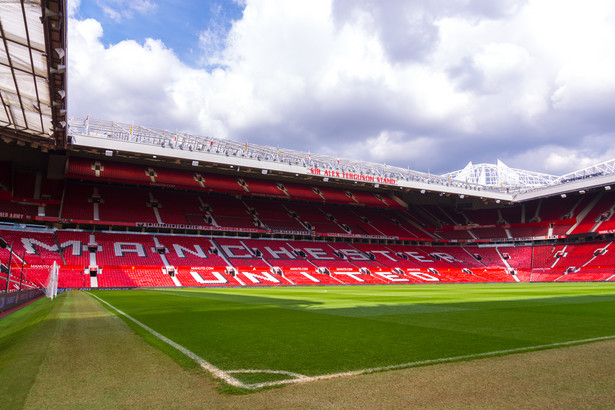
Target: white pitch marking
{"points": [[299, 378], [202, 362], [425, 362], [292, 374]]}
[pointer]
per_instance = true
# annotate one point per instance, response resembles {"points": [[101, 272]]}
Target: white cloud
{"points": [[558, 160], [72, 6], [120, 10], [486, 80]]}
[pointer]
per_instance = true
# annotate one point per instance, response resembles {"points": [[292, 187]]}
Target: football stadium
{"points": [[143, 267]]}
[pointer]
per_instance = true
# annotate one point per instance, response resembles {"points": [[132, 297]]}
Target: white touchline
{"points": [[428, 362], [225, 375], [202, 362]]}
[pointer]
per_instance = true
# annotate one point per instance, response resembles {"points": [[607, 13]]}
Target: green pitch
{"points": [[263, 336]]}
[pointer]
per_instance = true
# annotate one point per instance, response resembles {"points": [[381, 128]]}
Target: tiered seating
{"points": [[148, 277], [528, 231], [495, 275], [607, 226], [16, 210], [126, 250], [303, 192], [114, 277], [38, 276], [460, 234], [240, 255], [464, 256], [545, 275], [483, 216], [301, 276], [72, 249], [336, 195], [351, 219], [177, 178], [51, 189], [489, 233], [520, 256], [369, 199], [134, 277], [562, 208], [544, 256], [229, 211], [189, 251], [388, 257], [512, 214], [606, 257], [260, 277], [445, 215], [321, 255], [77, 201], [524, 275], [355, 256], [39, 248], [274, 215], [587, 275], [72, 278], [459, 276], [205, 276], [222, 183], [315, 217], [421, 256], [107, 170], [602, 207], [355, 277], [124, 204], [267, 188], [383, 222], [277, 253], [489, 257], [52, 210], [174, 207], [578, 255]]}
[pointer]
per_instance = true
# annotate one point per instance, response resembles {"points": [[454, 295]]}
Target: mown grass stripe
{"points": [[215, 371], [429, 362], [299, 378]]}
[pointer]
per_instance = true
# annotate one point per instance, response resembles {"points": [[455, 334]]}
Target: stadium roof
{"points": [[32, 72], [498, 182], [502, 175]]}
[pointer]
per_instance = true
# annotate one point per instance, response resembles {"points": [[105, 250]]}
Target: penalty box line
{"points": [[221, 374], [430, 362]]}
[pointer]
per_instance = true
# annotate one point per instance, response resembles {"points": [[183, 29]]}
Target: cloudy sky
{"points": [[429, 85]]}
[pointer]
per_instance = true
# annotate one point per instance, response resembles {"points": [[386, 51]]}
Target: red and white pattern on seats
{"points": [[130, 259]]}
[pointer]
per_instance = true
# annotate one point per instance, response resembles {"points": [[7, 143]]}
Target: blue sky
{"points": [[179, 24], [430, 85]]}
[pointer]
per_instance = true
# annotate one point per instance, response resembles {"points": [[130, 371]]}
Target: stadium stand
{"points": [[134, 225]]}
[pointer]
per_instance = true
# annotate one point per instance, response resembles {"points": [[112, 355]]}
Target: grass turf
{"points": [[315, 331]]}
